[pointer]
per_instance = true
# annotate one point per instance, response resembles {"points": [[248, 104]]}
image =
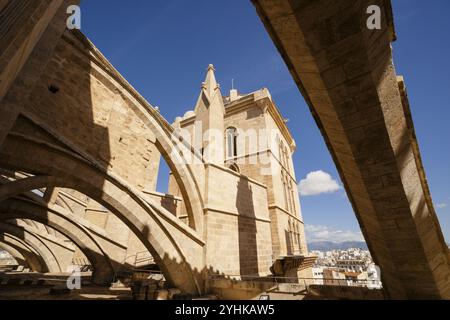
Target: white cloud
{"points": [[317, 182], [316, 233], [441, 205]]}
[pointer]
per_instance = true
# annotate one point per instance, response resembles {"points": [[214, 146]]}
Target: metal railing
{"points": [[141, 257], [296, 280], [145, 257]]}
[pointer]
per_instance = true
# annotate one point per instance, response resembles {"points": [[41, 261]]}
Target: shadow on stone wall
{"points": [[248, 249]]}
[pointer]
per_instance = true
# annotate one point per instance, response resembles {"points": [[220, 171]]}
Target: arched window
{"points": [[280, 153], [235, 168], [295, 233], [291, 190], [286, 158], [286, 195], [292, 235], [231, 135], [278, 145], [289, 195], [283, 155]]}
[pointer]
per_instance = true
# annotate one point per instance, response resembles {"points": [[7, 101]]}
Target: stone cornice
{"points": [[232, 213], [276, 206]]}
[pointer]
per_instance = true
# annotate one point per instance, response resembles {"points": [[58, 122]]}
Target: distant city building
{"points": [[351, 267]]}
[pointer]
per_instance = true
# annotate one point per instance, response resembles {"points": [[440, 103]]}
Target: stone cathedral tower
{"points": [[265, 211]]}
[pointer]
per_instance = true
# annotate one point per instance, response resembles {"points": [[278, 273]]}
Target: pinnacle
{"points": [[210, 84]]}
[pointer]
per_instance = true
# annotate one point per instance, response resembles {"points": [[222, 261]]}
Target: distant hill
{"points": [[330, 245]]}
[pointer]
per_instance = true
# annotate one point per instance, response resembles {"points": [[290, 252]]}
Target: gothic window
{"points": [[299, 241], [286, 159], [235, 168], [282, 153], [291, 190], [284, 191], [291, 208], [292, 234], [280, 150], [231, 135], [296, 233]]}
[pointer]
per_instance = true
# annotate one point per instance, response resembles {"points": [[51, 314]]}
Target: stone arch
{"points": [[85, 59], [177, 248], [33, 261], [22, 185], [16, 254], [14, 208], [45, 125], [32, 241]]}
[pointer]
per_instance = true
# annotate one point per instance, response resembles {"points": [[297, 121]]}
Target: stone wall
{"points": [[238, 225], [79, 99], [262, 161]]}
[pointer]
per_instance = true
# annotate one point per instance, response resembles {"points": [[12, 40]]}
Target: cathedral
{"points": [[246, 136], [80, 153]]}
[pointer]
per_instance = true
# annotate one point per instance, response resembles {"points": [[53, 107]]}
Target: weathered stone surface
{"points": [[346, 74], [74, 129]]}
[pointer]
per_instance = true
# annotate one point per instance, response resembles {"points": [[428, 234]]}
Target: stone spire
{"points": [[210, 81], [209, 113], [210, 92]]}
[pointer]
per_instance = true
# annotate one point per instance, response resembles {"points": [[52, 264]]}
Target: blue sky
{"points": [[162, 47]]}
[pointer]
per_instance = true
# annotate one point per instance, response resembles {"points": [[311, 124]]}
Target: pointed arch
{"points": [[235, 167], [231, 142], [177, 249]]}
